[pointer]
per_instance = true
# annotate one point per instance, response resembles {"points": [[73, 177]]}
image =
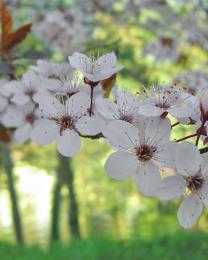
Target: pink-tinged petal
{"points": [[148, 179], [190, 210], [22, 133], [90, 125], [3, 103], [150, 110], [68, 144], [122, 134], [107, 108], [49, 105], [79, 61], [187, 159], [204, 165], [78, 104], [20, 99], [13, 117], [121, 165], [171, 187], [44, 132]]}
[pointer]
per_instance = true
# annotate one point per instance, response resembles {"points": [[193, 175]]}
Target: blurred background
{"points": [[68, 208]]}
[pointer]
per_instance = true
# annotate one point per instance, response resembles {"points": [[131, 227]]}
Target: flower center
{"points": [[127, 118], [30, 118], [66, 122], [145, 152], [30, 92], [162, 105], [194, 183]]}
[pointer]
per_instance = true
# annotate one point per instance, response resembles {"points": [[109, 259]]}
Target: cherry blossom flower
{"points": [[64, 122], [191, 178], [125, 107], [161, 100], [140, 152], [95, 70], [25, 90], [23, 119]]}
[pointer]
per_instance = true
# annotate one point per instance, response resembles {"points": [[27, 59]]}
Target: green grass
{"points": [[184, 245]]}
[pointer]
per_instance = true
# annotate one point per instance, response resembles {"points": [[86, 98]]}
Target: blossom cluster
{"points": [[51, 103]]}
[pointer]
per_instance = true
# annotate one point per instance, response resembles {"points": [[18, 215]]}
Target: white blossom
{"points": [[64, 122], [161, 100], [191, 179], [140, 152], [124, 108]]}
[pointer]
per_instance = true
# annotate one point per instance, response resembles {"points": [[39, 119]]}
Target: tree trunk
{"points": [[68, 177], [56, 203], [8, 166]]}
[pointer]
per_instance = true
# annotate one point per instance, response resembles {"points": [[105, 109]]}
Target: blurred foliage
{"points": [[177, 246]]}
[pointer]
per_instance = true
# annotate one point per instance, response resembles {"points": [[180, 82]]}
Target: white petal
{"points": [[165, 155], [3, 103], [122, 134], [121, 165], [90, 125], [171, 187], [49, 105], [78, 104], [150, 110], [181, 111], [68, 144], [187, 159], [22, 133], [79, 61], [107, 108], [204, 165], [157, 130], [148, 179], [108, 60], [44, 132], [203, 192], [20, 99], [189, 211], [13, 117]]}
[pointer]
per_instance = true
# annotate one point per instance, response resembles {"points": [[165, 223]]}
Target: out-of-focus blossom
{"points": [[163, 49], [25, 90], [193, 81], [23, 119], [63, 29]]}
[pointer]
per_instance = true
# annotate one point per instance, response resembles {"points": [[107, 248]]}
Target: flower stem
{"points": [[203, 150], [175, 124], [186, 137]]}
